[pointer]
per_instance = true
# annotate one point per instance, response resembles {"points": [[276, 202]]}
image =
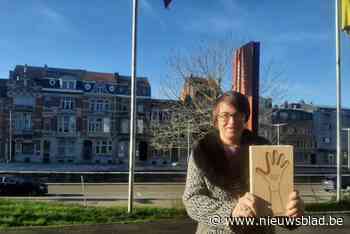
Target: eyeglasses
{"points": [[225, 116]]}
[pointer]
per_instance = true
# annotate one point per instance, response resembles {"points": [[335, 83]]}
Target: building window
{"points": [[140, 126], [124, 128], [124, 105], [290, 130], [37, 148], [95, 125], [61, 149], [66, 148], [326, 140], [67, 103], [167, 116], [295, 130], [68, 84], [327, 115], [99, 125], [92, 105], [24, 101], [140, 108], [22, 121], [47, 124], [307, 131], [103, 147], [331, 159], [107, 106], [66, 124], [18, 147], [100, 89], [283, 115], [123, 149], [106, 125], [28, 148], [99, 105], [155, 115]]}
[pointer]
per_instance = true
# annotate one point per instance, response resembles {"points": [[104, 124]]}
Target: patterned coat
{"points": [[213, 186]]}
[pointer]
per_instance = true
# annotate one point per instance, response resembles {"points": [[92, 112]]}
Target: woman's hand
{"points": [[295, 205], [246, 206]]}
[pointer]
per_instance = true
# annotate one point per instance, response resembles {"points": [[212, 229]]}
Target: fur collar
{"points": [[209, 156]]}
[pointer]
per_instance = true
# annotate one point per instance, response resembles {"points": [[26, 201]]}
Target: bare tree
{"points": [[273, 90], [196, 78]]}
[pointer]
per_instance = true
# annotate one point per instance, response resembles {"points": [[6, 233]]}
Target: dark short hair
{"points": [[236, 99]]}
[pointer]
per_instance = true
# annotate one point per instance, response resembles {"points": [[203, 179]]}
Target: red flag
{"points": [[167, 3]]}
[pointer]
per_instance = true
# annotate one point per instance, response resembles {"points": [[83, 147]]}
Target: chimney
{"points": [[116, 76]]}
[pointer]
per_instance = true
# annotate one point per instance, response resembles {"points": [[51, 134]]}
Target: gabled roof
{"points": [[34, 72]]}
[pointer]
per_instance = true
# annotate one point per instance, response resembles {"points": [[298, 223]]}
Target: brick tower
{"points": [[246, 79]]}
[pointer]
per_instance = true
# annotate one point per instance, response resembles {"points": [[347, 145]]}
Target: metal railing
{"points": [[91, 188]]}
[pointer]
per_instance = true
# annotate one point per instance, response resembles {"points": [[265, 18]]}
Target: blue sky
{"points": [[298, 36]]}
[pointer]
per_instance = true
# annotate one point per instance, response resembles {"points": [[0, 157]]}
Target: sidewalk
{"points": [[182, 226]]}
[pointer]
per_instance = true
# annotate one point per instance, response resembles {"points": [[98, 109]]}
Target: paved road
{"points": [[310, 192], [151, 190], [161, 227], [160, 194]]}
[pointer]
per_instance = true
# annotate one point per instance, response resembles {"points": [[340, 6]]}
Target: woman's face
{"points": [[230, 123]]}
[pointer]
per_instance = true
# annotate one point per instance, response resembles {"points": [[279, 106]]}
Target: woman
{"points": [[217, 177]]}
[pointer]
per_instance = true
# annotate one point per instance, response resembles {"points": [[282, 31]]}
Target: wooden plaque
{"points": [[271, 177]]}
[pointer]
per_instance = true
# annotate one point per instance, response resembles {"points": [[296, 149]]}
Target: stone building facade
{"points": [[72, 116], [297, 131]]}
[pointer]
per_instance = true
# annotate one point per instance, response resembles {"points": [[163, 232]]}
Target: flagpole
{"points": [[338, 88], [132, 109]]}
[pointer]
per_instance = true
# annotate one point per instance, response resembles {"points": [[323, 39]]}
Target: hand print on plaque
{"points": [[276, 164]]}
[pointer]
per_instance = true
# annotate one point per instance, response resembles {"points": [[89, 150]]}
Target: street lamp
{"points": [[188, 141], [278, 125], [348, 130], [10, 138]]}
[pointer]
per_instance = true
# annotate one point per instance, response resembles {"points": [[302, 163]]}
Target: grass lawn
{"points": [[29, 213], [328, 206], [14, 213]]}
